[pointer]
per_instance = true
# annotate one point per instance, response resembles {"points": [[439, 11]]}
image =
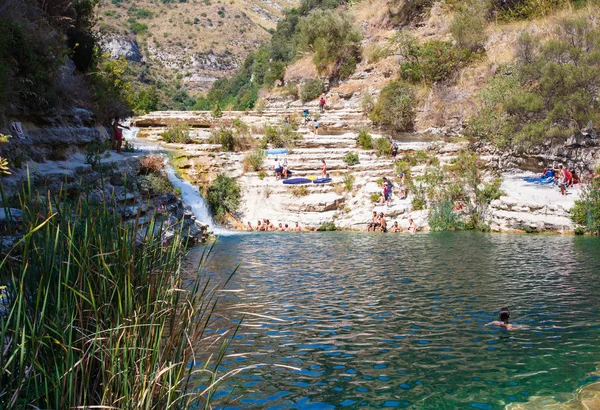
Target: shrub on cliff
{"points": [[364, 139], [351, 158], [223, 197], [312, 89], [334, 39], [279, 137], [178, 134], [395, 107], [253, 161], [548, 94], [586, 211], [431, 62], [469, 23]]}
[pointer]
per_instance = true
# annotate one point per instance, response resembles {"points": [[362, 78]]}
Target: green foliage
{"points": [[279, 137], [382, 147], [431, 62], [138, 28], [351, 158], [178, 134], [334, 40], [403, 13], [375, 197], [216, 112], [549, 93], [154, 184], [418, 202], [469, 24], [223, 197], [312, 89], [395, 107], [348, 181], [586, 211], [146, 100], [253, 161], [367, 104], [261, 175], [527, 9], [442, 218], [327, 226], [364, 139], [94, 152], [96, 309]]}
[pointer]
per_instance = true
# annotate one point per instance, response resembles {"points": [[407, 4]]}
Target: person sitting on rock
{"points": [[297, 228], [286, 228], [259, 227], [323, 169], [395, 227], [374, 224], [284, 169], [280, 229], [412, 226], [249, 226]]}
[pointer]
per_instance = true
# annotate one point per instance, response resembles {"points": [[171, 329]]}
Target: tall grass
{"points": [[96, 313]]}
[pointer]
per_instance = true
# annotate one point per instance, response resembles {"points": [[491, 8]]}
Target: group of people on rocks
{"points": [[379, 223], [281, 170], [387, 187], [563, 177], [268, 226]]}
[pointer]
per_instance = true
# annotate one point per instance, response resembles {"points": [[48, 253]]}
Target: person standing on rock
{"points": [[316, 126], [118, 132], [322, 104]]}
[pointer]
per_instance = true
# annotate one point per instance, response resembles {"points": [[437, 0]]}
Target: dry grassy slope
{"points": [[197, 40], [446, 106]]}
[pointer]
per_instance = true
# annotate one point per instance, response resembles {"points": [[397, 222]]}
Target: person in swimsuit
{"points": [[412, 226], [374, 222], [323, 169], [249, 226], [316, 126], [297, 228], [395, 227], [382, 222], [118, 131], [503, 315]]}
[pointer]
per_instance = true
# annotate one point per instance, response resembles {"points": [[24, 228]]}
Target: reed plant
{"points": [[97, 313]]}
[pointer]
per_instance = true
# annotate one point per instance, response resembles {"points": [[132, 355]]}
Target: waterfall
{"points": [[190, 194]]}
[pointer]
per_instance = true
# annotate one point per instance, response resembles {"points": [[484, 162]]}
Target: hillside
{"points": [[192, 42]]}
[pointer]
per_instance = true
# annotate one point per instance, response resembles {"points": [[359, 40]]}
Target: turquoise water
{"points": [[384, 321]]}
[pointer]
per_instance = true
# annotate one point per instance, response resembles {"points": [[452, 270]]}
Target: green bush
{"points": [[327, 226], [138, 28], [178, 134], [469, 24], [154, 184], [367, 104], [312, 90], [364, 139], [402, 13], [375, 197], [586, 211], [395, 107], [442, 218], [223, 197], [431, 62], [279, 137], [253, 161], [382, 147], [548, 94], [216, 112], [351, 158], [333, 38], [348, 182]]}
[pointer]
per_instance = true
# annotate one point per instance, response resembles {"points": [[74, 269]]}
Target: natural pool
{"points": [[384, 320]]}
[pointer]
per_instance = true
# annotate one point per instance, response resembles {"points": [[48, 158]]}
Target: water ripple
{"points": [[384, 321]]}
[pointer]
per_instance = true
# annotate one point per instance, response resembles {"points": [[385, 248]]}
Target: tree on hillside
{"points": [[334, 39]]}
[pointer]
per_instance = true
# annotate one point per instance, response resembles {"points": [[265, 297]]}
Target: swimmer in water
{"points": [[504, 314]]}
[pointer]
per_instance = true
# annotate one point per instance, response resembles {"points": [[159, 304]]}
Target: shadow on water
{"points": [[398, 320]]}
